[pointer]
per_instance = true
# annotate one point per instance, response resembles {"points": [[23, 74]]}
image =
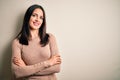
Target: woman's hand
{"points": [[18, 62], [55, 59]]}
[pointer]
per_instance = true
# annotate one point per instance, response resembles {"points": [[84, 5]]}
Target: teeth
{"points": [[36, 24]]}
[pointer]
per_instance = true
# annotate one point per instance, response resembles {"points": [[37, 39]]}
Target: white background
{"points": [[87, 33]]}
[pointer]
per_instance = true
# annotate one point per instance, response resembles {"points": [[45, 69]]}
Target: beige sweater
{"points": [[34, 57]]}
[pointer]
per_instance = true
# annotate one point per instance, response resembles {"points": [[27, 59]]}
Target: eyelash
{"points": [[35, 15], [41, 17]]}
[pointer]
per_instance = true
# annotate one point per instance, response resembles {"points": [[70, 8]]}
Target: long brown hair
{"points": [[25, 32]]}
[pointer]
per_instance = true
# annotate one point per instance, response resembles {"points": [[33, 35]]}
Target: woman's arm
{"points": [[46, 71], [54, 51], [22, 71], [50, 70]]}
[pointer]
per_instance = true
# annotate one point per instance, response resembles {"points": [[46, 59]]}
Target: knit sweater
{"points": [[35, 56]]}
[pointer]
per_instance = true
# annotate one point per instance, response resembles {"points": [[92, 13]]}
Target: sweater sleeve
{"points": [[24, 71], [50, 70], [54, 50]]}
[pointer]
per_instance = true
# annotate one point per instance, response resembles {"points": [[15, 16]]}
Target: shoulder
{"points": [[15, 42], [51, 36]]}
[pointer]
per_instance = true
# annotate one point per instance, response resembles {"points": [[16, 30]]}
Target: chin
{"points": [[35, 28]]}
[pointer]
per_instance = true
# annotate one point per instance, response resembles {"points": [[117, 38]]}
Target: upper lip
{"points": [[37, 23]]}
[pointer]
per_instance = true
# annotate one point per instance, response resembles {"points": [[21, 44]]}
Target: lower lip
{"points": [[35, 24]]}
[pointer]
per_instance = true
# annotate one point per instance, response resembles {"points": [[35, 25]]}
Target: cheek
{"points": [[31, 21], [31, 18], [41, 21]]}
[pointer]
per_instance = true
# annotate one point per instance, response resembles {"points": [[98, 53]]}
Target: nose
{"points": [[37, 19]]}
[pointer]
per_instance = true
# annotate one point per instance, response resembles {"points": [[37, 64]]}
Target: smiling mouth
{"points": [[36, 23]]}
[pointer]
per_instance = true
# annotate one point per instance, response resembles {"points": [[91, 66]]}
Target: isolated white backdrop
{"points": [[87, 33]]}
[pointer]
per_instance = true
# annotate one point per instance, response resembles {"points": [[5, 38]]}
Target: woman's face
{"points": [[36, 19]]}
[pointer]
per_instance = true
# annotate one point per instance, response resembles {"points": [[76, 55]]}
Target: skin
{"points": [[35, 23]]}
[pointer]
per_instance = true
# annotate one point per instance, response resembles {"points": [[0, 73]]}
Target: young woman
{"points": [[35, 55]]}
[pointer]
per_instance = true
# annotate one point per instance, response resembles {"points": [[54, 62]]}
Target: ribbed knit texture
{"points": [[35, 58]]}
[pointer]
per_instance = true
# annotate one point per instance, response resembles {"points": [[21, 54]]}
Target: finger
{"points": [[58, 62], [56, 55], [58, 58], [15, 59], [17, 63]]}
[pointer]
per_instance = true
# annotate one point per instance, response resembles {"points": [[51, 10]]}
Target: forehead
{"points": [[38, 11]]}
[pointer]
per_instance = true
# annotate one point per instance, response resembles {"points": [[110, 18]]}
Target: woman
{"points": [[35, 55]]}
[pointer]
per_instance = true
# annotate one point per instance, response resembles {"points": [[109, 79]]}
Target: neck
{"points": [[34, 34]]}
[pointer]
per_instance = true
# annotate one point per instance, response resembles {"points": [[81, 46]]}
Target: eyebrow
{"points": [[37, 14]]}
